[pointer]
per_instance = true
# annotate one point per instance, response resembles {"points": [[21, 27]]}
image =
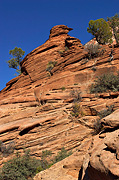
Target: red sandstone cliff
{"points": [[35, 109]]}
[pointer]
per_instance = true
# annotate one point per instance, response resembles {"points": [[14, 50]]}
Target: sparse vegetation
{"points": [[61, 155], [114, 24], [19, 168], [62, 51], [44, 164], [66, 48], [6, 149], [94, 50], [50, 66], [46, 153], [77, 110], [25, 167], [97, 125], [63, 88], [76, 95], [106, 112], [105, 83]]}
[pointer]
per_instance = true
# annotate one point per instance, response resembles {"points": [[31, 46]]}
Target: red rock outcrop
{"points": [[35, 107]]}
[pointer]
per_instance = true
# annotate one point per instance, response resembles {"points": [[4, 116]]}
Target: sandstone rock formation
{"points": [[36, 106]]}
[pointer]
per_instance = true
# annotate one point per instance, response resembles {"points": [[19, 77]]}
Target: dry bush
{"points": [[94, 50]]}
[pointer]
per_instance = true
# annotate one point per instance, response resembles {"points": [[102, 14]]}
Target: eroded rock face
{"points": [[58, 30], [67, 169], [96, 158], [104, 159], [35, 108]]}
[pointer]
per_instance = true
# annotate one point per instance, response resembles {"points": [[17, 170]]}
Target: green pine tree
{"points": [[17, 56], [114, 24], [101, 30]]}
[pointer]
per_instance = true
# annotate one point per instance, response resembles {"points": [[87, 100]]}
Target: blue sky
{"points": [[27, 24]]}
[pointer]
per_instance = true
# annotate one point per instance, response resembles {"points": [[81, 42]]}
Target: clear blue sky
{"points": [[27, 24]]}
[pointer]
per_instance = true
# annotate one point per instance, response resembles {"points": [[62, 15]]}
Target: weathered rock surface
{"points": [[35, 109], [65, 169], [97, 158], [104, 158]]}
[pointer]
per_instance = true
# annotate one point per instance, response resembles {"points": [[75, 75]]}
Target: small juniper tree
{"points": [[16, 57], [114, 24], [101, 30]]}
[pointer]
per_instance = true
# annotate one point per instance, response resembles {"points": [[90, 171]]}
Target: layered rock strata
{"points": [[36, 106]]}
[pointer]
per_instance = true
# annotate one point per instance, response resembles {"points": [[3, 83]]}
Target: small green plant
{"points": [[47, 164], [50, 66], [49, 74], [105, 83], [63, 88], [62, 51], [66, 48], [44, 164], [76, 110], [61, 155], [46, 153]]}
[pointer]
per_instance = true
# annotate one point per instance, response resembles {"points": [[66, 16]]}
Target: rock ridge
{"points": [[58, 30], [36, 109]]}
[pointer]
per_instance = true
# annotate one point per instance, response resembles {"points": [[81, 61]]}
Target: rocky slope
{"points": [[35, 109]]}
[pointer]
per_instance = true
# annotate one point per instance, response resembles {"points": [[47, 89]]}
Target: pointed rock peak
{"points": [[59, 29]]}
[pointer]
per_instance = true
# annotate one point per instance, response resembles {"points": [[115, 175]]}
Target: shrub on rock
{"points": [[105, 83]]}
